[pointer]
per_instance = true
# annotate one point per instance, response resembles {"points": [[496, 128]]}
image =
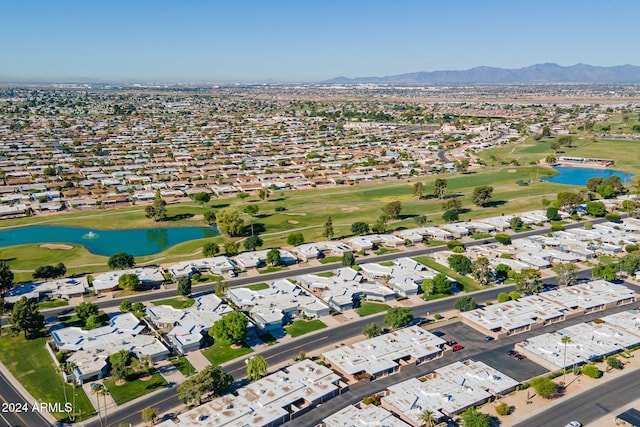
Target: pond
{"points": [[580, 176], [137, 242]]}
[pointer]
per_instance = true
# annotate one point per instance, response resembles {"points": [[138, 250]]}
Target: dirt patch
{"points": [[146, 378], [121, 382], [56, 246], [350, 209], [196, 218], [295, 213], [293, 221], [512, 171]]}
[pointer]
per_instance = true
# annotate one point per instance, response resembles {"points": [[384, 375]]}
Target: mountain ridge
{"points": [[546, 73]]}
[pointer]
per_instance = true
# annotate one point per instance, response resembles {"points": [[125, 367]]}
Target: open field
{"points": [[219, 353], [29, 362]]}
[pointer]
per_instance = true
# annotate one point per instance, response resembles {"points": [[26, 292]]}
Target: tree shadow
{"points": [[494, 204], [256, 229], [179, 217], [279, 199], [7, 259], [220, 206], [263, 215]]}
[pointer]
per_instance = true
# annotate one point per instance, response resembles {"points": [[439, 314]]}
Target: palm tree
{"points": [[101, 390], [69, 368], [429, 417], [566, 339]]}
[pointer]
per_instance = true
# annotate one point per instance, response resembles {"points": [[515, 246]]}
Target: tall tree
{"points": [[482, 195], [397, 317], [252, 242], [528, 281], [158, 210], [460, 263], [566, 274], [256, 367], [210, 217], [149, 415], [202, 197], [229, 222], [328, 229], [440, 188], [418, 188], [372, 330], [26, 317], [295, 238], [481, 270], [273, 257], [184, 286], [392, 209], [6, 278], [210, 249], [360, 228], [566, 339]]}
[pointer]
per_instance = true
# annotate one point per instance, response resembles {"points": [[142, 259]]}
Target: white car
{"points": [[574, 424]]}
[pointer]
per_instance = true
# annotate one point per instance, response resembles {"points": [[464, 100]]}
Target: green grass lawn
{"points": [[330, 259], [31, 364], [219, 353], [386, 263], [183, 365], [177, 302], [325, 274], [134, 387], [383, 251], [271, 269], [301, 327], [479, 236], [268, 339], [369, 308], [467, 283], [53, 304], [258, 286]]}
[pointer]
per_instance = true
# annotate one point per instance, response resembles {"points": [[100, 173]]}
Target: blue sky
{"points": [[305, 40]]}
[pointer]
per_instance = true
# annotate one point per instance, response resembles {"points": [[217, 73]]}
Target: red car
{"points": [[457, 347], [519, 356]]}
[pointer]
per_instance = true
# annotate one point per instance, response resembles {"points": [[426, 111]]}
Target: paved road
{"points": [[591, 405], [21, 415]]}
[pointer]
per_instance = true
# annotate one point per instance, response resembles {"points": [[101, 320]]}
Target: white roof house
{"points": [[367, 242], [268, 401], [91, 348], [313, 250], [363, 415], [279, 303], [380, 355], [60, 288], [191, 323], [109, 281], [216, 265], [452, 389], [258, 258]]}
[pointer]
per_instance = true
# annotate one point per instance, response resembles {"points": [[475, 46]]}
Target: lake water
{"points": [[580, 176], [138, 242]]}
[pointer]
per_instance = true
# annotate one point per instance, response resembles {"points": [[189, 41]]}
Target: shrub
{"points": [[503, 297], [544, 387], [613, 217], [505, 239], [374, 399], [437, 316], [614, 362], [454, 243], [280, 209], [591, 371], [466, 303], [458, 250], [503, 409], [631, 248], [557, 227]]}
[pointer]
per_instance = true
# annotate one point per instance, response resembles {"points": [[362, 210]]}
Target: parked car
{"points": [[574, 424], [511, 353], [488, 338], [437, 333], [457, 347], [519, 356], [451, 343]]}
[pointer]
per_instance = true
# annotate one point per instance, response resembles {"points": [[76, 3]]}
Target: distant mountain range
{"points": [[534, 74]]}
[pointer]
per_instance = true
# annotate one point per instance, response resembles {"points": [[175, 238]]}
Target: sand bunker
{"points": [[196, 218], [512, 171], [56, 246], [350, 209], [292, 221]]}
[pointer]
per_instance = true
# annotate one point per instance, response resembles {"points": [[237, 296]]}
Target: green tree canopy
{"points": [[466, 303], [360, 228], [397, 317], [86, 309], [6, 278], [251, 243], [232, 328], [158, 210], [460, 263], [482, 271], [348, 259], [606, 271], [372, 330], [295, 238], [26, 317], [482, 195], [210, 217], [566, 273], [528, 281], [128, 281], [256, 367], [210, 249], [273, 257], [184, 286], [229, 222], [121, 261], [202, 197], [392, 209], [440, 187], [451, 216]]}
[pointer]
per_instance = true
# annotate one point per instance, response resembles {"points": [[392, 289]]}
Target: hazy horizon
{"points": [[287, 41]]}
